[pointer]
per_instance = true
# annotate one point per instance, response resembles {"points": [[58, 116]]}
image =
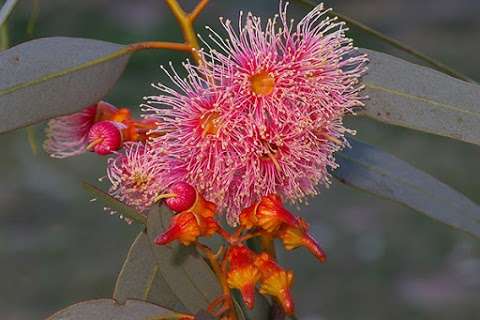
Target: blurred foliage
{"points": [[385, 261]]}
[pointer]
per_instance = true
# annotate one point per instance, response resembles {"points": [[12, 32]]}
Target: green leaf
{"points": [[261, 309], [372, 170], [141, 279], [50, 77], [187, 274], [173, 275], [108, 309], [412, 96], [114, 204], [4, 37]]}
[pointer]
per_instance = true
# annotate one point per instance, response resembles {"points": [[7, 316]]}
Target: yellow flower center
{"points": [[209, 123], [140, 179], [262, 83]]}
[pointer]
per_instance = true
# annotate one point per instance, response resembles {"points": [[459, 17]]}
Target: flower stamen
{"points": [[94, 143], [263, 83], [209, 123], [165, 196]]}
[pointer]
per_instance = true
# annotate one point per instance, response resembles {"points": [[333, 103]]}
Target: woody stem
{"points": [[268, 245], [159, 45], [185, 21], [219, 272], [198, 9]]}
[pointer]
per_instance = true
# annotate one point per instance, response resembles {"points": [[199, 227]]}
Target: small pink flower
{"points": [[68, 135], [194, 139], [134, 175]]}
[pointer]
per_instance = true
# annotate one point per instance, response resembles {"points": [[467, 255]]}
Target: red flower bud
{"points": [[243, 274], [248, 217], [275, 282], [138, 130], [183, 227], [185, 196], [294, 237], [121, 115], [105, 111], [104, 137], [269, 214]]}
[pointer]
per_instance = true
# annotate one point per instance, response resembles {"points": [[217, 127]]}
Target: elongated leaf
{"points": [[107, 309], [114, 204], [412, 96], [370, 169], [185, 272], [4, 37], [50, 77], [141, 279], [174, 276], [261, 309]]}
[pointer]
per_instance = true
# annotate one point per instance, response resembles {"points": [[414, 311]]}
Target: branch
{"points": [[198, 9], [186, 25], [159, 45]]}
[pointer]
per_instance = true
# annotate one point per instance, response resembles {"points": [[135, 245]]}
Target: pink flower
{"points": [[264, 114], [135, 176], [68, 135], [194, 139]]}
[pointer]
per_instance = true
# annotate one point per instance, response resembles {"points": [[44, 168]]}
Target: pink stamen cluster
{"points": [[263, 114], [135, 176], [68, 135]]}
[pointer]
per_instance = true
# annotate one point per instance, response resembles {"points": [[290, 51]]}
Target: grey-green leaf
{"points": [[141, 279], [416, 97], [108, 309], [174, 276], [372, 170], [187, 274], [114, 204], [50, 77]]}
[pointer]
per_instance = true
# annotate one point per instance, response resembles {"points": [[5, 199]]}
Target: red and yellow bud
{"points": [[248, 217], [183, 227], [138, 130], [243, 274], [104, 111], [208, 226], [203, 208], [294, 237], [268, 214], [275, 281]]}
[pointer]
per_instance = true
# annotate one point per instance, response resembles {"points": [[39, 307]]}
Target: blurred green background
{"points": [[385, 261]]}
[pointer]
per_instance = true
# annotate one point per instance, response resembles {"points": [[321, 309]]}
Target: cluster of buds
{"points": [[101, 128], [241, 268], [194, 216]]}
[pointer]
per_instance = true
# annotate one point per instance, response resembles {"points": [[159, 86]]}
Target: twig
{"points": [[220, 273], [185, 21], [198, 9], [159, 45]]}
